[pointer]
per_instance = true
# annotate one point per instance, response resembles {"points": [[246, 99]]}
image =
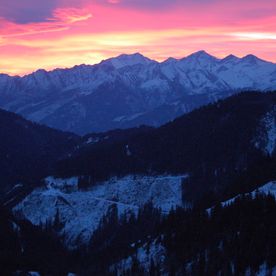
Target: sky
{"points": [[52, 34]]}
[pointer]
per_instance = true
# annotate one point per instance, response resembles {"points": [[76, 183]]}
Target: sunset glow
{"points": [[61, 33]]}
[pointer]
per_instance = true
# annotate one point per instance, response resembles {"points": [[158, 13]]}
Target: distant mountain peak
{"points": [[252, 59], [170, 60], [200, 58], [134, 55], [128, 60], [230, 58], [201, 54], [40, 72]]}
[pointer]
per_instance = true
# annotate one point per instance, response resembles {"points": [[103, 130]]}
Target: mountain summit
{"points": [[128, 60], [200, 55]]}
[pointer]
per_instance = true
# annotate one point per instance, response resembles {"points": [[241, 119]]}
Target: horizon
{"points": [[62, 33], [131, 54]]}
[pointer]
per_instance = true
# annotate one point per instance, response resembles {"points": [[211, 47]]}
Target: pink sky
{"points": [[57, 33]]}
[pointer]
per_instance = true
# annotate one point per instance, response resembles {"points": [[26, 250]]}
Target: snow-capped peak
{"points": [[197, 60], [252, 60], [230, 59], [201, 55], [170, 60], [128, 60]]}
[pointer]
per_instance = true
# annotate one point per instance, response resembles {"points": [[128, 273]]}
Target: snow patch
{"points": [[81, 211], [92, 140], [267, 189], [145, 254], [53, 183]]}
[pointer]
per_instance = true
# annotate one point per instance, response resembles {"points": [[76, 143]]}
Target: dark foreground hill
{"points": [[28, 150]]}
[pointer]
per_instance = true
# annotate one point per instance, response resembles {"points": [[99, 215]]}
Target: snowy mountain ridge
{"points": [[267, 189], [131, 90]]}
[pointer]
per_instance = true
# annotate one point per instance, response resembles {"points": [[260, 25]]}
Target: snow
{"points": [[128, 118], [68, 94], [146, 253], [128, 152], [15, 227], [263, 271], [267, 189], [15, 187], [128, 60], [92, 140], [153, 251], [53, 183], [81, 211]]}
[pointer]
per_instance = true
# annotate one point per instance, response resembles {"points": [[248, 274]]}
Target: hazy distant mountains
{"points": [[130, 90]]}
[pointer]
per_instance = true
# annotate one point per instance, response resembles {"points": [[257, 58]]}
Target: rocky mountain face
{"points": [[130, 90]]}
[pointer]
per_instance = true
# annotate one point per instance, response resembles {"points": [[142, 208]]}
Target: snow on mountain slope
{"points": [[145, 254], [81, 211], [89, 98], [267, 189], [153, 251], [128, 60]]}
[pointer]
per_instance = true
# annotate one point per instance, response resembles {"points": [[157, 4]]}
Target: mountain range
{"points": [[130, 90]]}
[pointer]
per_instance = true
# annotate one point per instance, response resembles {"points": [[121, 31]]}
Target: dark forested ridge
{"points": [[25, 248], [28, 150], [214, 145]]}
